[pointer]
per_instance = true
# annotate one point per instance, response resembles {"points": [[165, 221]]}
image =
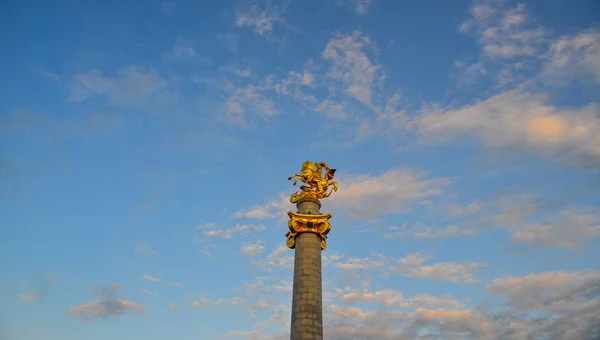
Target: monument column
{"points": [[308, 230]]}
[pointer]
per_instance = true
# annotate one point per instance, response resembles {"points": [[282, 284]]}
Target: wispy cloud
{"points": [[271, 208], [574, 55], [279, 258], [509, 41], [356, 71], [413, 266], [252, 249], [552, 291], [43, 284], [203, 302], [263, 16], [359, 6], [366, 263], [30, 296], [568, 229], [130, 85], [108, 306], [145, 248], [207, 250], [420, 231], [183, 50], [393, 298], [159, 280], [239, 228], [247, 101]]}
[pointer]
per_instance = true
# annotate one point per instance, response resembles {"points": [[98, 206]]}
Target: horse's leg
{"points": [[334, 184], [319, 187]]}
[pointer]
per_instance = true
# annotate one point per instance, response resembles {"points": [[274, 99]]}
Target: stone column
{"points": [[307, 308]]}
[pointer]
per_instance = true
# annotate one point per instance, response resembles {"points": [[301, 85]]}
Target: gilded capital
{"points": [[303, 223]]}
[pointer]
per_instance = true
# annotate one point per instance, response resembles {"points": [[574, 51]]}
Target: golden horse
{"points": [[317, 182]]}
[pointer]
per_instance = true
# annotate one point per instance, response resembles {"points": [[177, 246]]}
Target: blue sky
{"points": [[145, 148]]}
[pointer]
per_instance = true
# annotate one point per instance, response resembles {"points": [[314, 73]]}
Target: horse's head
{"points": [[308, 165]]}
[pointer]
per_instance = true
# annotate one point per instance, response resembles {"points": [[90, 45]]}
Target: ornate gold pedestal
{"points": [[304, 223]]}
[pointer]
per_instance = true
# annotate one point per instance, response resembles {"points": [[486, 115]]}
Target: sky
{"points": [[145, 148]]}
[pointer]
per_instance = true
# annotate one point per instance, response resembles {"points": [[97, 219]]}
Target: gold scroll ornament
{"points": [[303, 223]]}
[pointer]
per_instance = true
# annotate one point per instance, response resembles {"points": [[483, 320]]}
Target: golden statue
{"points": [[317, 182]]}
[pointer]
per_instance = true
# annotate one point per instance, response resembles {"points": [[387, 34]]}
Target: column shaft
{"points": [[307, 307]]}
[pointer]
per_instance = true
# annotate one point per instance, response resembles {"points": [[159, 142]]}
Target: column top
{"points": [[308, 199]]}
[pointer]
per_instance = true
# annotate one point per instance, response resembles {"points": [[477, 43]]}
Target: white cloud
{"points": [[132, 84], [145, 248], [424, 232], [509, 41], [359, 6], [30, 296], [387, 323], [295, 85], [149, 292], [203, 302], [182, 49], [516, 119], [43, 283], [354, 263], [91, 310], [470, 208], [413, 259], [393, 298], [159, 280], [352, 68], [280, 258], [569, 229], [108, 306], [206, 250], [239, 228], [262, 289], [332, 109], [366, 196], [574, 55], [503, 31], [413, 266], [229, 40], [271, 209], [150, 278], [207, 225], [549, 291], [262, 16], [253, 249], [570, 299], [246, 102], [513, 210]]}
